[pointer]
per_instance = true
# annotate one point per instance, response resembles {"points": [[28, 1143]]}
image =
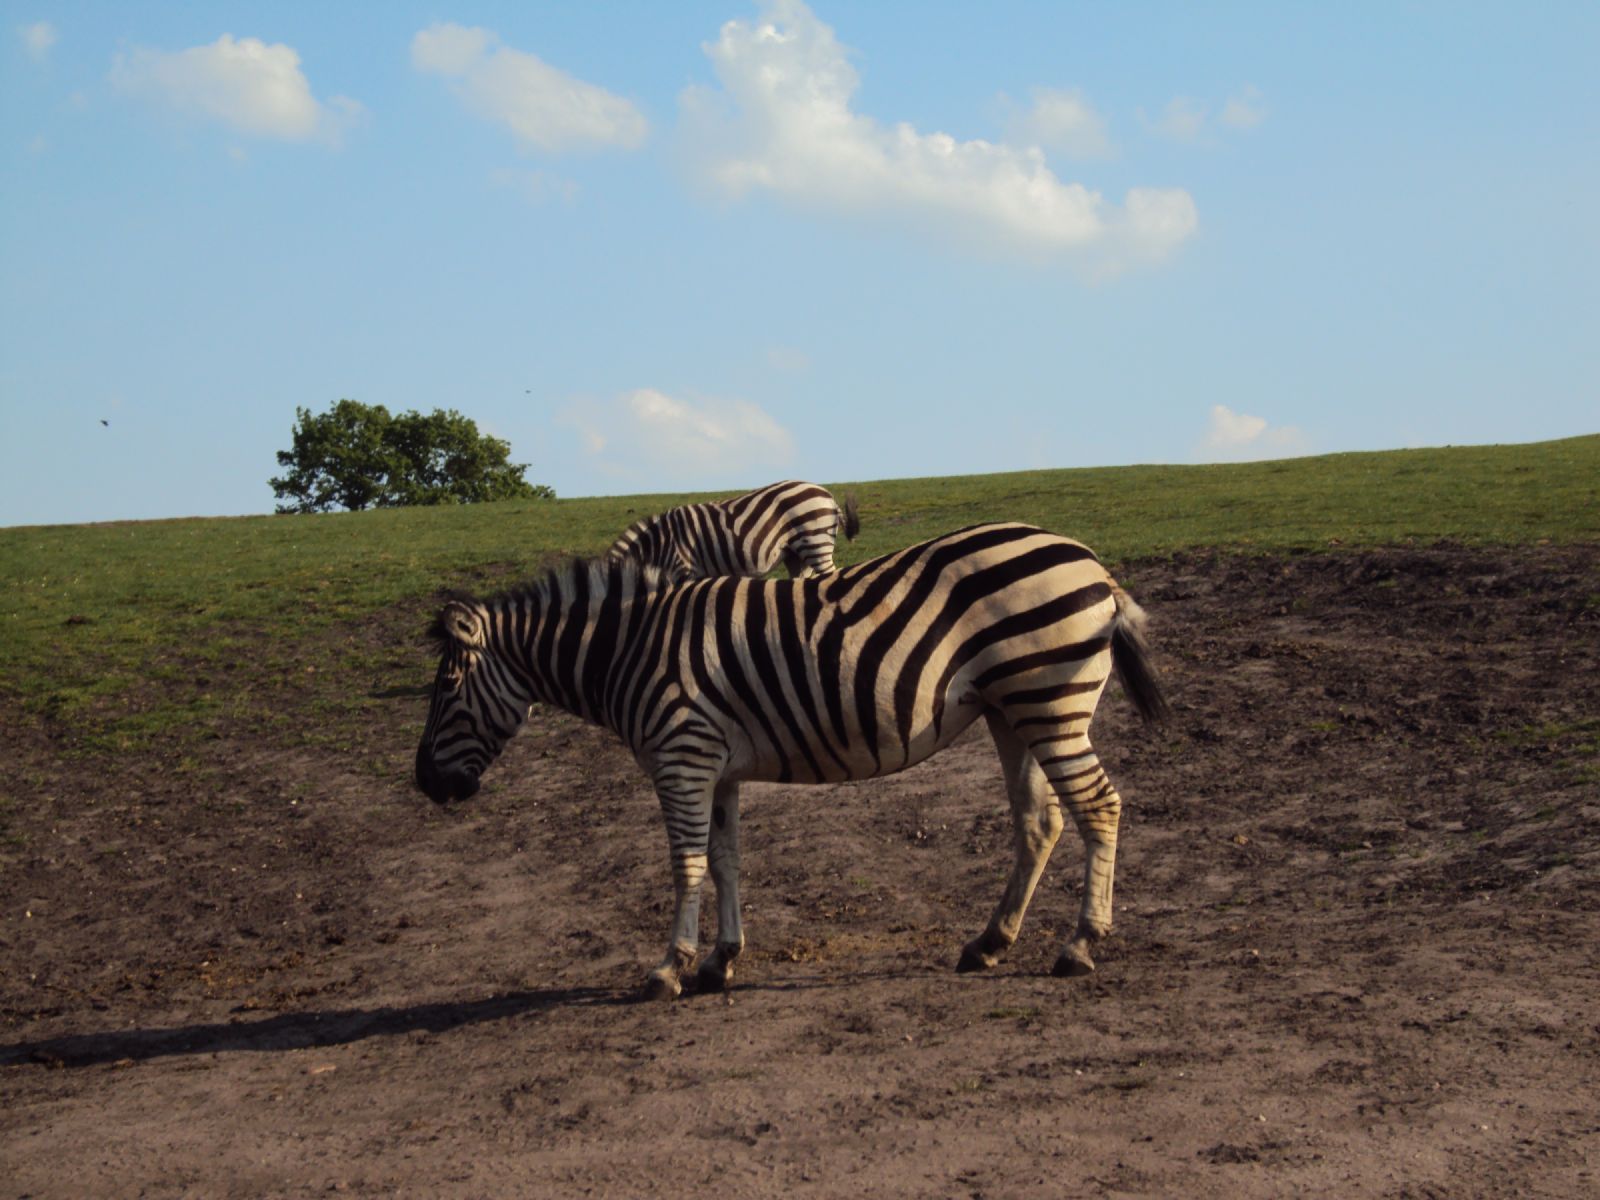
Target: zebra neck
{"points": [[583, 632]]}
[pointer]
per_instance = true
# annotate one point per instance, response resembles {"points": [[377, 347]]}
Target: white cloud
{"points": [[536, 187], [647, 435], [243, 83], [1245, 110], [782, 123], [1183, 120], [37, 39], [446, 49], [1189, 121], [543, 105], [1236, 436], [1062, 121]]}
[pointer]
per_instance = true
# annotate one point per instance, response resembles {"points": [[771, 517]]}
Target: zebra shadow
{"points": [[297, 1031]]}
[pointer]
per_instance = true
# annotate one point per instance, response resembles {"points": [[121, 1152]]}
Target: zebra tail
{"points": [[852, 520], [1130, 657]]}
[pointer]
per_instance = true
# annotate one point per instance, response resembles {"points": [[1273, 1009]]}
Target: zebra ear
{"points": [[462, 624]]}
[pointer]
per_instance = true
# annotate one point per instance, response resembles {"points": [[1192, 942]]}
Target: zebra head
{"points": [[478, 703]]}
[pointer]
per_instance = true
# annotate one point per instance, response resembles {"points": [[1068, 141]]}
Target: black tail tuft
{"points": [[1130, 656], [852, 520]]}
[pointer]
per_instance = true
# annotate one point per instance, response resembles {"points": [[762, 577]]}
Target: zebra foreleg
{"points": [[688, 818], [1036, 823], [716, 972]]}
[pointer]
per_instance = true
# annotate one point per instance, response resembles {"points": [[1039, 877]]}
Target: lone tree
{"points": [[361, 456]]}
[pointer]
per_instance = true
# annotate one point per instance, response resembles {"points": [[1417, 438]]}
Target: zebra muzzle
{"points": [[443, 786]]}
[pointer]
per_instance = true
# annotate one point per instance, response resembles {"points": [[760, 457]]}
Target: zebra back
{"points": [[790, 522]]}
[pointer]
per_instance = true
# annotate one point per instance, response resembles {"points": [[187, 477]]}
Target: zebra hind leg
{"points": [[716, 972], [1036, 823], [1074, 771], [809, 555]]}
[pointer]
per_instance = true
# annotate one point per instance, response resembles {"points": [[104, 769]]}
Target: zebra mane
{"points": [[601, 575]]}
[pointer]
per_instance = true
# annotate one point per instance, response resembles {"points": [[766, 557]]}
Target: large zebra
{"points": [[791, 521], [857, 674]]}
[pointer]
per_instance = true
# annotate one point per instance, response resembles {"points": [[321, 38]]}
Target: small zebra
{"points": [[790, 521], [848, 676]]}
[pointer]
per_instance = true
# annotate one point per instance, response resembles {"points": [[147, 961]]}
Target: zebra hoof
{"points": [[983, 952], [712, 978], [974, 959], [661, 987], [1073, 963]]}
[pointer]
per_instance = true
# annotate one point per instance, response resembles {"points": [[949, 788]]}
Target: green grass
{"points": [[1479, 494], [130, 631]]}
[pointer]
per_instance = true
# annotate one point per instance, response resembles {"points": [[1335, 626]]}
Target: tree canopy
{"points": [[359, 456]]}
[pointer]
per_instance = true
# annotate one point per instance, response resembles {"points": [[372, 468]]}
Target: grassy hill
{"points": [[117, 634]]}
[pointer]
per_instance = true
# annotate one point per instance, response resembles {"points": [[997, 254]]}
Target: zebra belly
{"points": [[754, 757]]}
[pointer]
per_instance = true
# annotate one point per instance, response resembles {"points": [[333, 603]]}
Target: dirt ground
{"points": [[1357, 948]]}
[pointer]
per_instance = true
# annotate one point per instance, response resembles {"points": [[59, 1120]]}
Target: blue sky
{"points": [[705, 245]]}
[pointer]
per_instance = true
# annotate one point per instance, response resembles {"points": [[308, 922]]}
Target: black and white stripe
{"points": [[790, 522], [860, 673]]}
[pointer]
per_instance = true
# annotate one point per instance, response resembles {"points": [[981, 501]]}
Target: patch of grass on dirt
{"points": [[127, 635], [1573, 737], [1012, 1014], [1579, 743]]}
